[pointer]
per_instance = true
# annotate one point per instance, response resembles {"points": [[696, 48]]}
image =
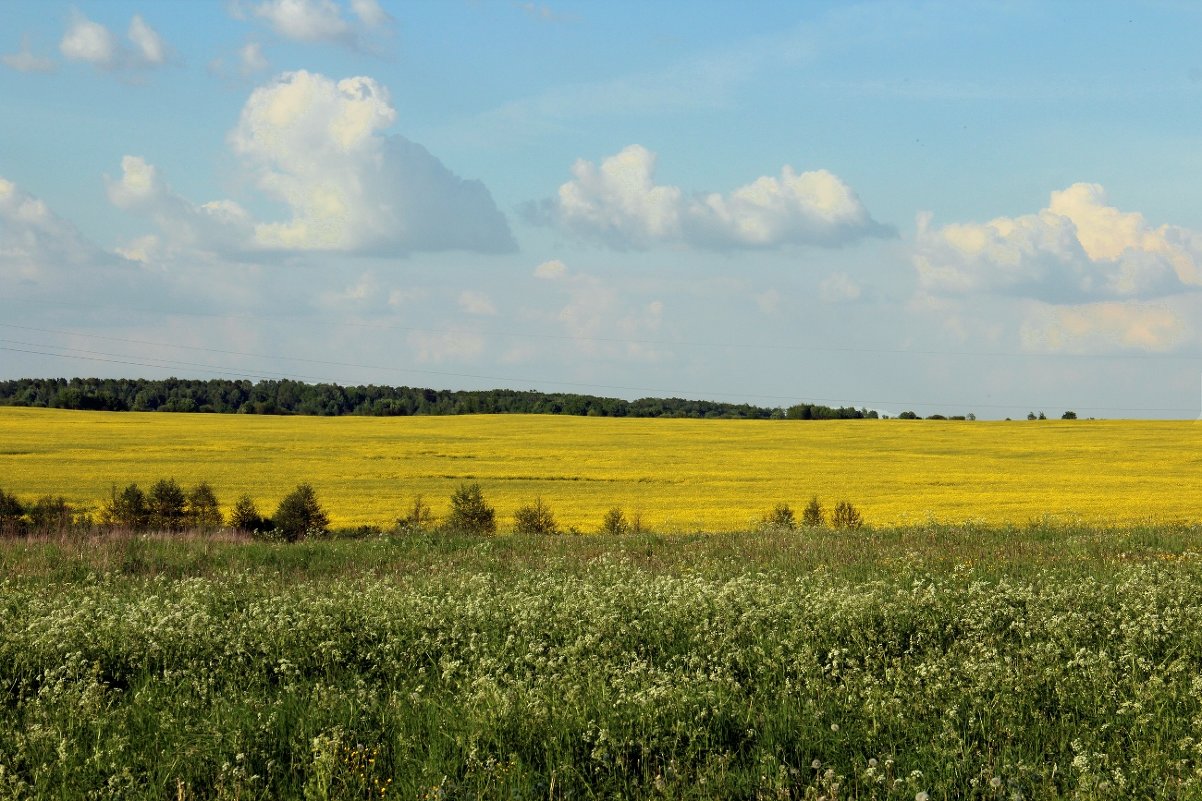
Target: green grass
{"points": [[1033, 662]]}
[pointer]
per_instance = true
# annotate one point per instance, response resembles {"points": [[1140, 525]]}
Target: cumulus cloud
{"points": [[477, 303], [34, 242], [839, 288], [318, 20], [1102, 327], [220, 225], [551, 270], [92, 43], [25, 60], [618, 203], [1078, 248], [319, 146]]}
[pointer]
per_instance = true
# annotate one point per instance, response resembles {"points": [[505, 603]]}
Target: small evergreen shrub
{"points": [[781, 516], [813, 515], [299, 514], [535, 518], [470, 513], [417, 518], [615, 522], [846, 516]]}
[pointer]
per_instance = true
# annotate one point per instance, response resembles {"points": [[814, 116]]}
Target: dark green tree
{"points": [[813, 514], [615, 522], [201, 508], [1069, 415], [300, 515], [470, 513], [246, 517], [535, 518], [50, 513], [846, 516], [166, 504], [781, 516], [12, 514], [126, 509]]}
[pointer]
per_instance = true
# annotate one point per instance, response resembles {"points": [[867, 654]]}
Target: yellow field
{"points": [[680, 474]]}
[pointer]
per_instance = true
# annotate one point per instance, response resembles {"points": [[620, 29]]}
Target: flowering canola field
{"points": [[678, 474]]}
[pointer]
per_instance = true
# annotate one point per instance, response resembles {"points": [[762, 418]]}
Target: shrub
{"points": [[12, 514], [246, 517], [470, 513], [1069, 415], [846, 516], [418, 518], [534, 518], [165, 505], [813, 514], [299, 514], [614, 522], [50, 513], [201, 509], [126, 509], [781, 516]]}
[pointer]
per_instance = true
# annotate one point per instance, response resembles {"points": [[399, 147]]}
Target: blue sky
{"points": [[946, 207]]}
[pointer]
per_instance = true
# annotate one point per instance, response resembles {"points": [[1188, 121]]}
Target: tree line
{"points": [[226, 396], [168, 508]]}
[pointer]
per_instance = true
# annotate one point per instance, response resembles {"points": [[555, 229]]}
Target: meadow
{"points": [[680, 475], [924, 662]]}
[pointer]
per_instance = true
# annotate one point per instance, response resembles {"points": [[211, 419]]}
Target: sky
{"points": [[953, 208]]}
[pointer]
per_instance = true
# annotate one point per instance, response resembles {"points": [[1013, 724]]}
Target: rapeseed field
{"points": [[677, 474]]}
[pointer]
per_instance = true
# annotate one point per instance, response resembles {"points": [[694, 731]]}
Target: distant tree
{"points": [[12, 514], [813, 514], [1030, 415], [615, 522], [908, 415], [50, 513], [936, 417], [970, 416], [535, 518], [246, 517], [846, 516], [201, 509], [1069, 415], [299, 514], [1043, 416], [781, 516], [417, 518], [126, 509], [165, 503], [470, 513]]}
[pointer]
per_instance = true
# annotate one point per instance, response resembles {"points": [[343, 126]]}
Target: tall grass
{"points": [[958, 662]]}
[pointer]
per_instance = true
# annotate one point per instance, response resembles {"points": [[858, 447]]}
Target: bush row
{"points": [[168, 507]]}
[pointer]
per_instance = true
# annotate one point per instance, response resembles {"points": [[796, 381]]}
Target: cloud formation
{"points": [[319, 146], [317, 20], [618, 204], [91, 42], [25, 60], [1102, 327], [1078, 248]]}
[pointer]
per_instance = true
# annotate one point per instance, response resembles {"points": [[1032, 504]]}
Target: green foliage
{"points": [[201, 509], [12, 513], [907, 415], [813, 515], [246, 517], [781, 516], [50, 513], [300, 515], [470, 513], [126, 509], [614, 522], [534, 518], [419, 517], [1069, 415], [165, 504], [846, 516]]}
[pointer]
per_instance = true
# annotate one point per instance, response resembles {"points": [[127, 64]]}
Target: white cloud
{"points": [[150, 47], [1103, 327], [839, 288], [25, 60], [251, 58], [220, 225], [619, 204], [319, 146], [91, 42], [318, 20], [477, 303], [1075, 249], [448, 346], [550, 270], [768, 301]]}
